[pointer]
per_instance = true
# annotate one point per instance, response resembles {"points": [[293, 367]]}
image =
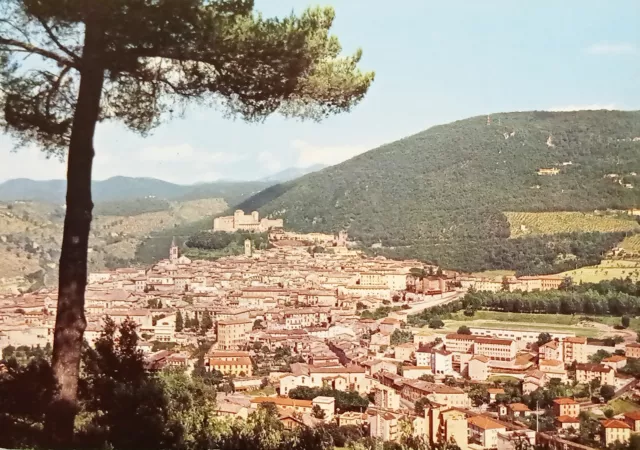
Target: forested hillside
{"points": [[441, 194]]}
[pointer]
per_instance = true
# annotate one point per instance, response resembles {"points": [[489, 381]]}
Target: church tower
{"points": [[174, 251], [248, 251]]}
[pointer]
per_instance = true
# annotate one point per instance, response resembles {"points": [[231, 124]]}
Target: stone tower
{"points": [[174, 251], [248, 250]]}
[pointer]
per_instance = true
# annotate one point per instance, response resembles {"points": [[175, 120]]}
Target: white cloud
{"points": [[611, 48], [593, 107], [309, 154], [270, 161]]}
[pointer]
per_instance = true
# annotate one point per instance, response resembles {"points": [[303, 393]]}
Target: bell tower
{"points": [[248, 250], [174, 251]]}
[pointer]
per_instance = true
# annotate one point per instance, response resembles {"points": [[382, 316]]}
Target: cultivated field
{"points": [[631, 244], [532, 223], [607, 270]]}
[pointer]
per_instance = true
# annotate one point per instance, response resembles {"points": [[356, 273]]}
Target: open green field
{"points": [[537, 322], [622, 405], [608, 269], [532, 223]]}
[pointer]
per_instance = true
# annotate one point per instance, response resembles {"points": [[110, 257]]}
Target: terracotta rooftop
{"points": [[614, 423], [484, 423], [564, 401]]}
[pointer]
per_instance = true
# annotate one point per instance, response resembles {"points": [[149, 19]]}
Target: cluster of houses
{"points": [[310, 303]]}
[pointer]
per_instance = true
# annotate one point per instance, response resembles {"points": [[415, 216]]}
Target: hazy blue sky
{"points": [[435, 62]]}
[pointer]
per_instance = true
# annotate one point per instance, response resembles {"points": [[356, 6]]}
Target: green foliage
{"points": [[317, 412], [598, 356], [543, 338], [615, 298], [607, 392], [25, 392], [625, 321], [464, 330], [207, 322], [379, 313], [426, 377], [436, 323], [131, 207], [219, 240], [343, 435], [420, 404], [456, 180], [345, 400], [401, 336], [179, 321]]}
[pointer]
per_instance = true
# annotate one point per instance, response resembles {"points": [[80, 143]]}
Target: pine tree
{"points": [[179, 321], [66, 65], [207, 323]]}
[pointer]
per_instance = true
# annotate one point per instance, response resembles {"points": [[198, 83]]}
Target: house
{"points": [[564, 406], [446, 425], [389, 325], [240, 367], [478, 369], [575, 349], [587, 372], [404, 352], [441, 362], [383, 425], [517, 410], [495, 349], [484, 431], [632, 350], [493, 393], [551, 350], [326, 404], [567, 423], [633, 420], [614, 430], [459, 343], [553, 368], [441, 394], [616, 362], [289, 405]]}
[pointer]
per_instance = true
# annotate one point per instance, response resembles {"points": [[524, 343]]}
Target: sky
{"points": [[435, 62]]}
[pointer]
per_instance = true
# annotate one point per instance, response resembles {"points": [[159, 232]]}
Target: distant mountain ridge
{"points": [[292, 173], [128, 188], [441, 194]]}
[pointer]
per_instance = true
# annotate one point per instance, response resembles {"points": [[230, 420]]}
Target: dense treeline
{"points": [[606, 298], [129, 208], [442, 192], [125, 407], [531, 255], [218, 240], [345, 400]]}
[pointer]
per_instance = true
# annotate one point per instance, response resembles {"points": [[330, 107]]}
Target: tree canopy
{"points": [[66, 65]]}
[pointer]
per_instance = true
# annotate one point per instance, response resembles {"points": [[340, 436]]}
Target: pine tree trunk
{"points": [[70, 318]]}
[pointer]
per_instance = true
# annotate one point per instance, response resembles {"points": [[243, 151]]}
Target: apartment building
{"points": [[233, 334], [459, 343], [575, 349], [495, 349]]}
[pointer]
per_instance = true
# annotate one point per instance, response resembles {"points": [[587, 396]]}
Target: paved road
{"points": [[437, 300]]}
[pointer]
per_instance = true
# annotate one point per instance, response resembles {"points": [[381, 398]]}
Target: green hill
{"points": [[441, 194]]}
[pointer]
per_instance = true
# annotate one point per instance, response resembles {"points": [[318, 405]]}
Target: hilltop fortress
{"points": [[248, 222]]}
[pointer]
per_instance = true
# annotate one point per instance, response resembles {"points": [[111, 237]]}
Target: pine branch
{"points": [[39, 51], [56, 41]]}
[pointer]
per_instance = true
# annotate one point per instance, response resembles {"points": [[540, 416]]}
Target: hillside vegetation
{"points": [[30, 235], [532, 223], [440, 194], [114, 191]]}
